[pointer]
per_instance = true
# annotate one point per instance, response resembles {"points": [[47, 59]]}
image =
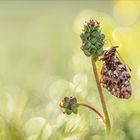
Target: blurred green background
{"points": [[41, 61]]}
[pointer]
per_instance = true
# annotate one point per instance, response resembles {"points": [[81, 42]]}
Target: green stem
{"points": [[104, 107], [93, 109]]}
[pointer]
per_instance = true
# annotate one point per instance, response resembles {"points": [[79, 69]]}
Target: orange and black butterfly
{"points": [[114, 75]]}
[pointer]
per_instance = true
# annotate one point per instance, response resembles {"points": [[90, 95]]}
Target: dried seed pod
{"points": [[114, 75]]}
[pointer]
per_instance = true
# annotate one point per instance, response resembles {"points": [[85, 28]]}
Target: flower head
{"points": [[70, 105], [92, 39]]}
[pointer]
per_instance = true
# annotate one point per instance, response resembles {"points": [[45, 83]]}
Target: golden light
{"points": [[126, 12]]}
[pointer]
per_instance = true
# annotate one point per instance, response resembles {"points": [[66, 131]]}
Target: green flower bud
{"points": [[100, 51], [70, 105], [75, 110], [92, 39]]}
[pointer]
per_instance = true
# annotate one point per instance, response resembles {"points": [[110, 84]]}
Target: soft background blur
{"points": [[41, 61]]}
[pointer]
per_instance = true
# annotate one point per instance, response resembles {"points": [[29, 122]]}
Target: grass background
{"points": [[41, 61]]}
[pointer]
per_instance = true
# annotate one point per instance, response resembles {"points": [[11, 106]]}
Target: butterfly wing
{"points": [[115, 76]]}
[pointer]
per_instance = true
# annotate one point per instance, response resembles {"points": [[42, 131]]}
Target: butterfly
{"points": [[115, 76]]}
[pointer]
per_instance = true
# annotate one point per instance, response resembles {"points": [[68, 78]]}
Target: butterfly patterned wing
{"points": [[114, 75]]}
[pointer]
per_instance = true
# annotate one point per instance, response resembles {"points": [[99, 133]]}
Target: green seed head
{"points": [[92, 39], [70, 105]]}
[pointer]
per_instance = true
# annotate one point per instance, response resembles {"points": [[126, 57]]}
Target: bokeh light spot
{"points": [[122, 35], [126, 12]]}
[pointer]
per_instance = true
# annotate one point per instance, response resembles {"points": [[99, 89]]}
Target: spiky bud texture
{"points": [[70, 105], [92, 39]]}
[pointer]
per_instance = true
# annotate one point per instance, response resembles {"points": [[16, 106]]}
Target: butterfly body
{"points": [[114, 75]]}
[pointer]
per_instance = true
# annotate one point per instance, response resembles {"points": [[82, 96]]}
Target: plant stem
{"points": [[93, 109], [104, 107]]}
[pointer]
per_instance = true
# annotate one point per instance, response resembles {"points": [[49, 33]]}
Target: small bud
{"points": [[102, 36], [70, 105]]}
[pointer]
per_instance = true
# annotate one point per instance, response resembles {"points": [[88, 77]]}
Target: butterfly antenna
{"points": [[124, 61], [109, 41]]}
